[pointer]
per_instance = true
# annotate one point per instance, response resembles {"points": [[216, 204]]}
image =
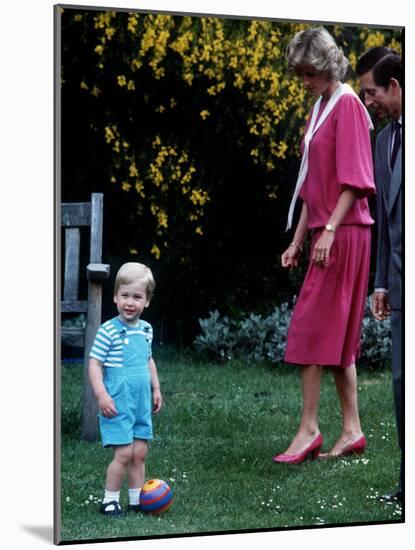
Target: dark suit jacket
{"points": [[389, 219]]}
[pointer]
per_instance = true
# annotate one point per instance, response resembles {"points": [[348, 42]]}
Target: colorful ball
{"points": [[155, 497]]}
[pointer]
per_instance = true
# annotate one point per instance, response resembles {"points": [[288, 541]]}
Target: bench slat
{"points": [[74, 306], [97, 202], [75, 214], [72, 247], [73, 336]]}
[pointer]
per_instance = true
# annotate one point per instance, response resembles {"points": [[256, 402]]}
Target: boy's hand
{"points": [[106, 406], [157, 400]]}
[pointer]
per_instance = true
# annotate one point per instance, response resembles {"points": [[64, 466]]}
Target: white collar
{"points": [[341, 90]]}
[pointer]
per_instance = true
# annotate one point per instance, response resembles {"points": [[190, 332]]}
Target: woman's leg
{"points": [[308, 429], [117, 468], [136, 468], [346, 384]]}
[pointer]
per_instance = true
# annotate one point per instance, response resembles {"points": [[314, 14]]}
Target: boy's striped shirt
{"points": [[108, 344]]}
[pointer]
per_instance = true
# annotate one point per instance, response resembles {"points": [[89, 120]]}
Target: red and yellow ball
{"points": [[155, 497]]}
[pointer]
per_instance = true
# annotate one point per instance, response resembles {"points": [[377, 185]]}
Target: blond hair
{"points": [[133, 271], [316, 48]]}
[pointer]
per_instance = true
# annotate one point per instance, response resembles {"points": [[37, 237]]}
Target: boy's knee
{"points": [[124, 454], [140, 451]]}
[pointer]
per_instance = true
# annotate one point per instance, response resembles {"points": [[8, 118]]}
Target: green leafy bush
{"points": [[78, 321], [219, 336], [257, 338], [376, 340], [254, 337]]}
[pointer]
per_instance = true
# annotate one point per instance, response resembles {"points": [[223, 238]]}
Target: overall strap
{"points": [[119, 327]]}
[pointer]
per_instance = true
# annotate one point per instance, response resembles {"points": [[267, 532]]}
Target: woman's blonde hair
{"points": [[133, 271], [316, 48]]}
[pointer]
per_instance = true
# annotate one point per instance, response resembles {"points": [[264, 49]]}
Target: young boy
{"points": [[124, 379]]}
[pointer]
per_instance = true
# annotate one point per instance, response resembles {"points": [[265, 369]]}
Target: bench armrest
{"points": [[97, 272]]}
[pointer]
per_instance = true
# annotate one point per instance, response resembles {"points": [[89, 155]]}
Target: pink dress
{"points": [[325, 328]]}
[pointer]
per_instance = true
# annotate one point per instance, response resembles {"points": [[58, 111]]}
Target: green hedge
{"points": [[262, 338]]}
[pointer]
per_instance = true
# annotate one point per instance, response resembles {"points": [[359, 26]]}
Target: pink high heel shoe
{"points": [[357, 447], [313, 449]]}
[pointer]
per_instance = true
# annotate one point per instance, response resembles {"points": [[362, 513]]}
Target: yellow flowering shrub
{"points": [[164, 78]]}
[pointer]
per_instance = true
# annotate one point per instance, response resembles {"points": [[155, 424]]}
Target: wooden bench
{"points": [[75, 216]]}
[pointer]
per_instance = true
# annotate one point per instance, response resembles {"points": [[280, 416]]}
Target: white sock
{"points": [[109, 496], [134, 495]]}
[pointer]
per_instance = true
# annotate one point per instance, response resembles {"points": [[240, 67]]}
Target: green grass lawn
{"points": [[214, 440]]}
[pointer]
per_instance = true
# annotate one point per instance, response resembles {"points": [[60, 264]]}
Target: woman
{"points": [[335, 178]]}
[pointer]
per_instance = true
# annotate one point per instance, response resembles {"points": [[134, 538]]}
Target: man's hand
{"points": [[380, 306]]}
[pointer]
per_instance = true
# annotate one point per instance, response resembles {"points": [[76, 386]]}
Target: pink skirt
{"points": [[326, 324]]}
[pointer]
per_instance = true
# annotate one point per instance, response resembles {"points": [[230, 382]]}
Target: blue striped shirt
{"points": [[108, 346]]}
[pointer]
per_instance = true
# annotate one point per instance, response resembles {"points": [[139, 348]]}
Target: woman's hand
{"points": [[290, 257], [321, 251]]}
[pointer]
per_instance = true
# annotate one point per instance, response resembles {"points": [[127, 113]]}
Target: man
{"points": [[380, 76]]}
